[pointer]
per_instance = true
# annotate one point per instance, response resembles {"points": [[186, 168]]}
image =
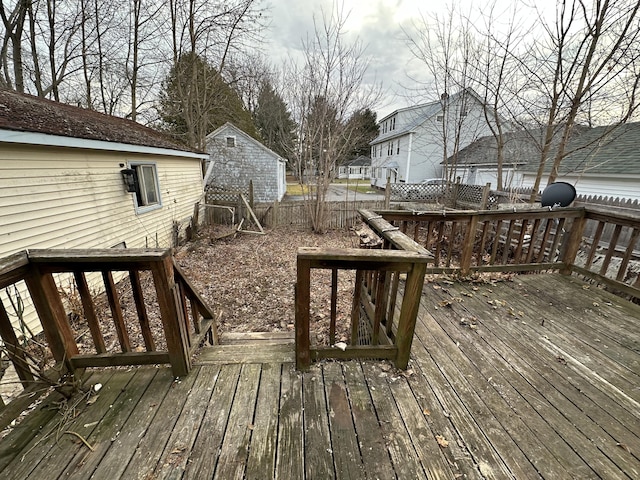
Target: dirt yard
{"points": [[251, 278]]}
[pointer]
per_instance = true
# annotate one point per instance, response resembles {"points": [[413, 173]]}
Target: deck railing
{"points": [[585, 240], [185, 317], [381, 320]]}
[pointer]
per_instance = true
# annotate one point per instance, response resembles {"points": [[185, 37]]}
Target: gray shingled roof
{"points": [[601, 150], [26, 113]]}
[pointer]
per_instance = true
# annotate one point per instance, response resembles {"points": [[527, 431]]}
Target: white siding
{"points": [[52, 197], [62, 198], [605, 185]]}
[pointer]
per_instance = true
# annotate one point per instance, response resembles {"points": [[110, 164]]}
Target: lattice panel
{"points": [[417, 192]]}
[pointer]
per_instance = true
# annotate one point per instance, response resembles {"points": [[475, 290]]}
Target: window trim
{"points": [[230, 137], [153, 206]]}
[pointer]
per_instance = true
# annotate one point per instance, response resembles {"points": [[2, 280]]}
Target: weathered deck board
{"points": [[491, 392]]}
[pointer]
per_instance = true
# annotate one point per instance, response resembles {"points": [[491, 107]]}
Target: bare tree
{"points": [[327, 88], [13, 19], [592, 45]]}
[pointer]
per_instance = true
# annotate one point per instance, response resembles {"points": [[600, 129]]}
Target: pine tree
{"points": [[273, 121]]}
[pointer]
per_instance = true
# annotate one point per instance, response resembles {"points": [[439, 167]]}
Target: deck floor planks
{"points": [[85, 461], [499, 363], [151, 445], [122, 449], [479, 431], [291, 452], [568, 321], [44, 459], [264, 436], [173, 460], [235, 445], [587, 362], [205, 452], [346, 450], [498, 393], [317, 441], [375, 457], [540, 377], [502, 401], [401, 450]]}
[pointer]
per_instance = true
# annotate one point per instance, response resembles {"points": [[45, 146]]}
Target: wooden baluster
{"points": [[416, 232], [303, 297], [572, 245], [594, 244], [452, 239], [558, 236], [532, 240], [13, 349], [483, 242], [428, 235], [627, 254], [89, 310], [467, 246], [183, 311], [334, 306], [436, 254], [523, 232], [545, 238], [611, 249], [381, 305], [116, 311], [143, 318], [507, 242], [392, 303], [355, 307], [496, 243]]}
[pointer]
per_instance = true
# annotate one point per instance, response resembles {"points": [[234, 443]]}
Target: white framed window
{"points": [[231, 141], [147, 194], [440, 118]]}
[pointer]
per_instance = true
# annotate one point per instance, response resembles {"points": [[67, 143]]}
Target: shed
{"points": [[236, 159]]}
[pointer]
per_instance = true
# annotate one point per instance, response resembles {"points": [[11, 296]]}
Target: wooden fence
{"points": [[340, 215]]}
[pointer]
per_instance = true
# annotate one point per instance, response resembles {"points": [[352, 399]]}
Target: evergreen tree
{"points": [[273, 121], [195, 100], [365, 127]]}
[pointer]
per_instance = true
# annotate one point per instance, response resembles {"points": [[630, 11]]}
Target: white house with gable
{"points": [[414, 141]]}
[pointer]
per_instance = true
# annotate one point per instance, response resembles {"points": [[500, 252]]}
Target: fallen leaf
{"points": [[426, 412], [442, 441]]}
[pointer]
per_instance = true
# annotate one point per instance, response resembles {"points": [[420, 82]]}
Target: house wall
{"points": [[53, 197], [234, 167], [600, 185], [422, 151]]}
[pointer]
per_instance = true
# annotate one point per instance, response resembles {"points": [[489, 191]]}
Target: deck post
{"points": [[302, 296], [572, 244], [53, 318], [408, 313], [174, 328]]}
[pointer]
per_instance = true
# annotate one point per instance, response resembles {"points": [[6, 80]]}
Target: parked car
{"points": [[427, 189]]}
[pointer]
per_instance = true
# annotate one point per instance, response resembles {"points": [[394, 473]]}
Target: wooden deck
{"points": [[534, 378]]}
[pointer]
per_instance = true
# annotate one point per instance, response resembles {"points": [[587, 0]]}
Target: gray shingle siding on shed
{"points": [[233, 167]]}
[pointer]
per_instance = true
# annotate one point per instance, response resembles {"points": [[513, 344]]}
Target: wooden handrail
{"points": [[186, 318]]}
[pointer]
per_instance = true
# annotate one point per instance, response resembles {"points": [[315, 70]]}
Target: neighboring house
{"points": [[357, 169], [602, 161], [236, 158], [411, 144], [61, 184]]}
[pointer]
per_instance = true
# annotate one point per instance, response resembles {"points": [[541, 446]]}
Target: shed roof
{"points": [[26, 113]]}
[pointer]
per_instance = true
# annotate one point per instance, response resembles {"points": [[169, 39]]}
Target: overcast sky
{"points": [[378, 23]]}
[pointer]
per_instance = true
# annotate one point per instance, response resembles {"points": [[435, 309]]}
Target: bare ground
{"points": [[251, 278]]}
